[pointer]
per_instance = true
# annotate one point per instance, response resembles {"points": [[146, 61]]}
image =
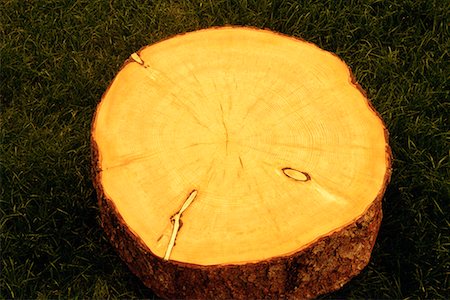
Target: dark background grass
{"points": [[57, 58]]}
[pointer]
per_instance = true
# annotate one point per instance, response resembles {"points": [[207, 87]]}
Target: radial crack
{"points": [[175, 219], [226, 130], [137, 58], [152, 73]]}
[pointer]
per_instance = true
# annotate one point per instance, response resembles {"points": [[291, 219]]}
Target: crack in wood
{"points": [[175, 219], [137, 58], [226, 130], [152, 73]]}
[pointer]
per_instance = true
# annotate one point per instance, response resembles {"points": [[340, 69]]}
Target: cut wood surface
{"points": [[236, 162]]}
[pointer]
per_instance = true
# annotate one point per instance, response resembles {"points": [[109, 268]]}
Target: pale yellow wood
{"points": [[280, 147]]}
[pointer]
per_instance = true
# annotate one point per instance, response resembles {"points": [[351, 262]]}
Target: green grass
{"points": [[57, 58]]}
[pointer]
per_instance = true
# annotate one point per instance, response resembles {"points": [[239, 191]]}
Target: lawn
{"points": [[58, 57]]}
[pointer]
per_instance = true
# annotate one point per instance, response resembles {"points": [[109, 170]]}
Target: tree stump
{"points": [[239, 163]]}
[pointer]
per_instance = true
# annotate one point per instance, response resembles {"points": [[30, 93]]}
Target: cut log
{"points": [[239, 163]]}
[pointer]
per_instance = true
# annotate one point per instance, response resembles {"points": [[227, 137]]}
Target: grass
{"points": [[57, 58]]}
